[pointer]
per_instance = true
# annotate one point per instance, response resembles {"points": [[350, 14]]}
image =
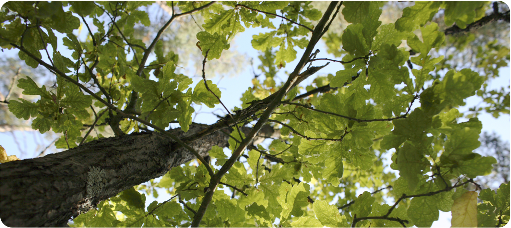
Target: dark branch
{"points": [[90, 32], [332, 19], [186, 206], [495, 16]]}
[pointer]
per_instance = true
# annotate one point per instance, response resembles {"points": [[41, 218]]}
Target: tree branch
{"points": [[316, 35], [495, 16]]}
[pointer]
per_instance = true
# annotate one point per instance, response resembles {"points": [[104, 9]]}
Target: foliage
{"points": [[395, 97]]}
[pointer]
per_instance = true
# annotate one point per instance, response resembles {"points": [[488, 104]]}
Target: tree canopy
{"points": [[380, 141]]}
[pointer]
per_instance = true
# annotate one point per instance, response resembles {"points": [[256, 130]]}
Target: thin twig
{"points": [[9, 92], [339, 61], [151, 212], [49, 145], [352, 118], [44, 43], [95, 79], [93, 124], [90, 32], [124, 37], [372, 193], [234, 187], [304, 136], [404, 196], [285, 18], [218, 98]]}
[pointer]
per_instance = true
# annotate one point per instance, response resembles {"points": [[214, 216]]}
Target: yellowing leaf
{"points": [[4, 158], [464, 210]]}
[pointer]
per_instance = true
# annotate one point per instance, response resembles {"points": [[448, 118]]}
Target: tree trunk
{"points": [[50, 190]]}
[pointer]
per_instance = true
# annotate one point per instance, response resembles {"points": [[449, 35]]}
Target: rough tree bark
{"points": [[50, 190]]}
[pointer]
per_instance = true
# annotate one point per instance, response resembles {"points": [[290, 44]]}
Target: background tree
{"points": [[331, 134]]}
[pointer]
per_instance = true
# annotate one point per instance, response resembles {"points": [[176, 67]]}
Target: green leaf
{"points": [[82, 8], [24, 109], [237, 176], [463, 140], [276, 175], [388, 34], [411, 162], [414, 126], [353, 40], [133, 198], [285, 54], [417, 15], [314, 151], [460, 85], [363, 205], [41, 123], [64, 22], [423, 211], [76, 100], [295, 200], [46, 9], [356, 12], [431, 37], [214, 43], [217, 152], [31, 88], [477, 166], [333, 169], [228, 210], [254, 196], [328, 215], [423, 75], [202, 95], [342, 77], [306, 221], [219, 22], [253, 159], [185, 110], [267, 40], [247, 97], [463, 13]]}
